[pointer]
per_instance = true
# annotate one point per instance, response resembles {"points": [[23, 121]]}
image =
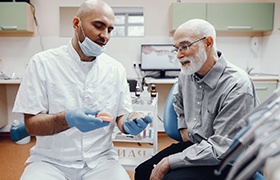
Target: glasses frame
{"points": [[186, 47]]}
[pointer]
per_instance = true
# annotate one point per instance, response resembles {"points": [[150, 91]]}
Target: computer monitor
{"points": [[158, 57]]}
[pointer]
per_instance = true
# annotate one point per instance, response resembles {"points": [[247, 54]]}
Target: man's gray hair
{"points": [[200, 28]]}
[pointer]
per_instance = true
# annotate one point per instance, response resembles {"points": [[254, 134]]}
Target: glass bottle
{"points": [[153, 90], [137, 91]]}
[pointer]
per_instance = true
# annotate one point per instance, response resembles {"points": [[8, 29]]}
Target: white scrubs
{"points": [[55, 81]]}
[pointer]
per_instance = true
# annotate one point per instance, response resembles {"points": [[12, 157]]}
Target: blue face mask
{"points": [[89, 47]]}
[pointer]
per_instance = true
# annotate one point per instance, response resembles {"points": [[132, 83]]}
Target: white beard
{"points": [[195, 62]]}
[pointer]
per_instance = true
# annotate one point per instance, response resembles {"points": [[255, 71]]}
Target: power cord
{"points": [[159, 118], [37, 25], [138, 72]]}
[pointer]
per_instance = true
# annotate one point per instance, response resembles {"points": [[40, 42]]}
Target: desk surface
{"points": [[150, 80], [13, 81], [147, 80]]}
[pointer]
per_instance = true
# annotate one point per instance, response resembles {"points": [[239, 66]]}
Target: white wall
{"points": [[15, 52]]}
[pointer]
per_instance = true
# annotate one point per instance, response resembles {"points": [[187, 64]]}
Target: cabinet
{"points": [[265, 88], [229, 17], [133, 150], [8, 91], [3, 106], [241, 16], [181, 12], [16, 18]]}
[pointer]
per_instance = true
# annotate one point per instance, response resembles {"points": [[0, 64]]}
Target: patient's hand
{"points": [[184, 135]]}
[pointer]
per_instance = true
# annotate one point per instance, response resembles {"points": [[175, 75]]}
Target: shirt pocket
{"points": [[208, 118], [63, 96]]}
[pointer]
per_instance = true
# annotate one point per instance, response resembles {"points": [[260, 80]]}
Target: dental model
{"points": [[105, 116]]}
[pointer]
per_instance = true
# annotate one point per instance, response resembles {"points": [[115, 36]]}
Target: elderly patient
{"points": [[211, 96]]}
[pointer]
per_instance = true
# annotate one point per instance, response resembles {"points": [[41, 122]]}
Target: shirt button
{"points": [[198, 103], [194, 119], [200, 86]]}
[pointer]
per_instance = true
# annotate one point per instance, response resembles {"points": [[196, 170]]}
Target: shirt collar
{"points": [[196, 77], [213, 76], [72, 51], [85, 66]]}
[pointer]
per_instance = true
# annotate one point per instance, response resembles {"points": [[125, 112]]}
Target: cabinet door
{"points": [[264, 89], [241, 16], [181, 12], [3, 106], [16, 17]]}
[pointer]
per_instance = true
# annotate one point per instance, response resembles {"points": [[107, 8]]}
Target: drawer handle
{"points": [[261, 88], [9, 27], [239, 27]]}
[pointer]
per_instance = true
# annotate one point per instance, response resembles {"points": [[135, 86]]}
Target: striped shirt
{"points": [[209, 107]]}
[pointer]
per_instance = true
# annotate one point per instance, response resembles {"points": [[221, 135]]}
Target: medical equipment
{"points": [[266, 138], [253, 126]]}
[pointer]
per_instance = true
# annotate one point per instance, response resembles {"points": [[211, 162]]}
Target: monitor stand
{"points": [[163, 75]]}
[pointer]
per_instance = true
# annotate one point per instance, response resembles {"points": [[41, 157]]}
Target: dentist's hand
{"points": [[84, 119], [137, 125]]}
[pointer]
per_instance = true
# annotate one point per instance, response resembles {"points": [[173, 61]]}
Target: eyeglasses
{"points": [[186, 47]]}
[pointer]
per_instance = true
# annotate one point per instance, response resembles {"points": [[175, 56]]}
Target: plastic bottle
{"points": [[145, 96], [18, 132]]}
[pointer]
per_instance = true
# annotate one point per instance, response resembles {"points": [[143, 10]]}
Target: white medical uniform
{"points": [[57, 80]]}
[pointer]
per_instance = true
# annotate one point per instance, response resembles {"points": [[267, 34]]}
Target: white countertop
{"points": [[265, 78], [150, 80], [10, 81]]}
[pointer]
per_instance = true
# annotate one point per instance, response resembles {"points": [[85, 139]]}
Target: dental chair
{"points": [[171, 125], [170, 117]]}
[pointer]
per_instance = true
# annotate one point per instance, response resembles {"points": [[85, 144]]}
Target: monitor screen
{"points": [[158, 57]]}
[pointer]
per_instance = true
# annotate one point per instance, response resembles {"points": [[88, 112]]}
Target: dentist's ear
{"points": [[76, 22]]}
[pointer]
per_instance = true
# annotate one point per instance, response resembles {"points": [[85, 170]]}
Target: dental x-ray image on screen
{"points": [[158, 57]]}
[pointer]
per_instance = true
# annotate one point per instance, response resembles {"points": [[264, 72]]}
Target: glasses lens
{"points": [[184, 47], [175, 50]]}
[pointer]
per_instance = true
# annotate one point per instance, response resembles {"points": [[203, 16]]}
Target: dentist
{"points": [[71, 98]]}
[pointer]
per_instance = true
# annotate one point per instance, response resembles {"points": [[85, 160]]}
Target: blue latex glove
{"points": [[135, 126], [84, 119]]}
